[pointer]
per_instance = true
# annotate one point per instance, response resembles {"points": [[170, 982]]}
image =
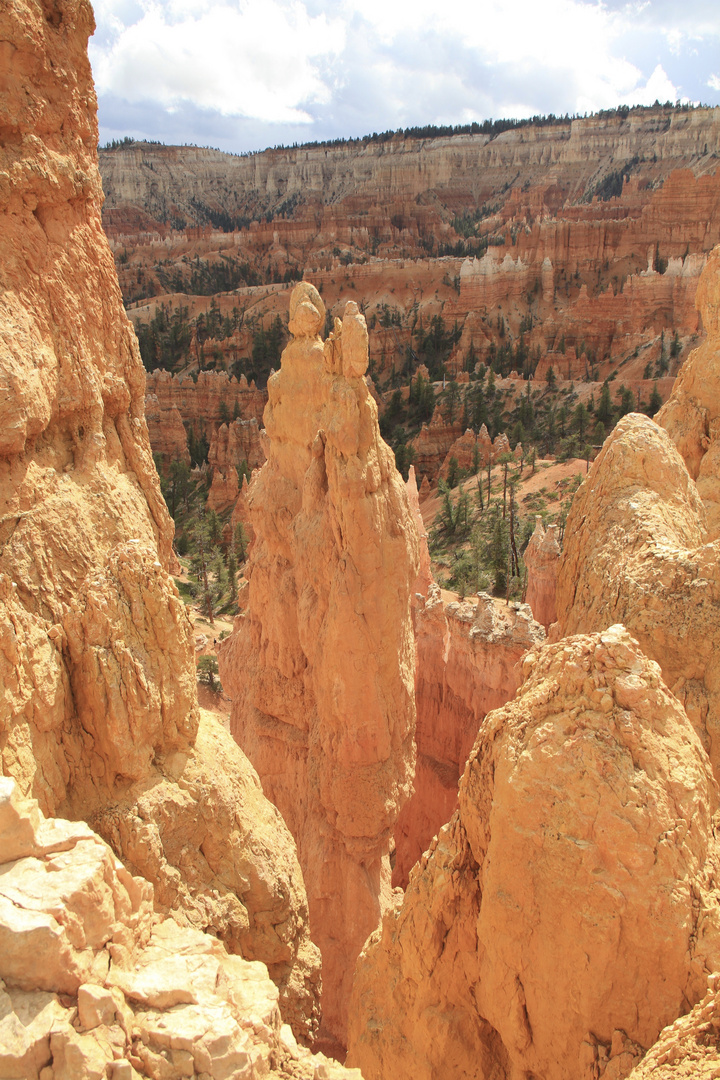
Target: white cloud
{"points": [[259, 58], [320, 69]]}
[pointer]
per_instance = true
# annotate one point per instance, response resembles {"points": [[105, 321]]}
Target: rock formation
{"points": [[466, 453], [635, 552], [98, 706], [568, 911], [241, 510], [373, 181], [689, 1048], [175, 403], [321, 668], [542, 557], [424, 578], [432, 444], [468, 658], [94, 985], [567, 264], [692, 414], [167, 434], [232, 445]]}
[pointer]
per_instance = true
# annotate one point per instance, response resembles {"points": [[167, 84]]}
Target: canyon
{"points": [[567, 253], [441, 833]]}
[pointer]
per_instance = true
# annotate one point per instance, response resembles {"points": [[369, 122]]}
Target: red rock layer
{"points": [[467, 664]]}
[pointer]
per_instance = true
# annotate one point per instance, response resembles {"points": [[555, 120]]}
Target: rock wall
{"points": [[205, 405], [371, 176], [691, 416], [321, 668], [94, 985], [568, 911], [689, 1047], [635, 552], [468, 658], [98, 707], [232, 445]]}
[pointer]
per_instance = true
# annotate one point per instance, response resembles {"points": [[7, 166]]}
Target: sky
{"points": [[242, 75]]}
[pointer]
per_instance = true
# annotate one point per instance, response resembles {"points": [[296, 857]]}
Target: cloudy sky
{"points": [[246, 74]]}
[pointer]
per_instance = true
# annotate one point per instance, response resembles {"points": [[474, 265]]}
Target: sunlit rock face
{"points": [[321, 667], [98, 704], [568, 910]]}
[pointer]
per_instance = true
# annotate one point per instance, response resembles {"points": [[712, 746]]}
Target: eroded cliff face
{"points": [[468, 662], [98, 707], [635, 552], [321, 668], [569, 909], [689, 1048], [232, 445], [691, 416], [174, 404]]}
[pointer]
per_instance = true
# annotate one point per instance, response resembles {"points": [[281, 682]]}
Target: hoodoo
{"points": [[321, 667], [98, 705], [542, 556]]}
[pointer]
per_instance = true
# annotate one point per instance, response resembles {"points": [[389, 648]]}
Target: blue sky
{"points": [[245, 74]]}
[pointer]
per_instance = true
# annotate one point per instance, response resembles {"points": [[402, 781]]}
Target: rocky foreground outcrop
{"points": [[98, 707], [691, 416], [93, 984], [321, 667], [635, 552], [569, 910]]}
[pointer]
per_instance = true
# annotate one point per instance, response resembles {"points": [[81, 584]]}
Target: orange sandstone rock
{"points": [[232, 445], [94, 984], [689, 1048], [568, 910], [464, 450], [98, 705], [432, 443], [424, 579], [542, 557], [635, 552], [321, 668], [691, 416], [167, 434]]}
